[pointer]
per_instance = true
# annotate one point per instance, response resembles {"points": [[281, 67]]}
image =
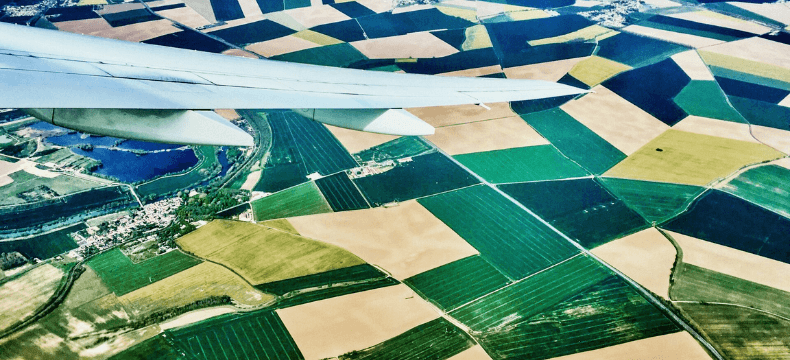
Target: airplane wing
{"points": [[151, 92]]}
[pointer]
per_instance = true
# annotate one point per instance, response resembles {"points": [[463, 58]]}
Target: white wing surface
{"points": [[46, 69]]}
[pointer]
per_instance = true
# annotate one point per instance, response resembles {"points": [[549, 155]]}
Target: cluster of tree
{"points": [[11, 260], [205, 205], [86, 147], [161, 316]]}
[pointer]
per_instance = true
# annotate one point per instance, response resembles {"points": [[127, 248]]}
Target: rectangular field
{"points": [[303, 199], [575, 140], [341, 193], [532, 163], [509, 238], [260, 334], [454, 284], [767, 186], [122, 276]]}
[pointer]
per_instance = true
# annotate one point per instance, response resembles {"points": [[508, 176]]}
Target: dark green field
{"points": [[438, 340], [532, 296], [741, 333], [767, 186], [304, 199], [157, 347], [575, 140], [531, 163], [44, 246], [693, 283], [399, 148], [655, 201], [170, 184], [607, 314], [705, 98], [334, 291], [351, 274], [454, 284], [259, 334], [511, 239], [122, 276], [341, 193]]}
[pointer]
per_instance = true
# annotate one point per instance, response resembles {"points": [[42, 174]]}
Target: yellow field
{"points": [[679, 345], [693, 159], [756, 49], [187, 16], [616, 120], [19, 298], [405, 239], [589, 33], [476, 38], [281, 224], [594, 70], [753, 67], [413, 45], [332, 327], [468, 14], [262, 254], [486, 136], [193, 284], [317, 38], [549, 71], [646, 257]]}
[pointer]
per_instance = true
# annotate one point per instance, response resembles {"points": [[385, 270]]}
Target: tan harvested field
{"points": [[186, 15], [5, 180], [140, 31], [203, 7], [716, 19], [646, 257], [595, 69], [252, 179], [680, 345], [241, 53], [379, 6], [734, 262], [117, 344], [19, 298], [195, 316], [671, 36], [30, 168], [242, 246], [784, 162], [774, 11], [250, 8], [316, 15], [86, 26], [229, 114], [692, 65], [281, 224], [519, 15], [284, 20], [785, 102], [279, 46], [616, 120], [87, 288], [473, 353], [464, 13], [193, 284], [549, 71], [355, 141], [413, 45], [756, 49], [335, 326], [714, 127], [460, 114], [488, 9], [405, 239], [9, 167], [486, 136], [661, 3], [482, 71], [688, 158]]}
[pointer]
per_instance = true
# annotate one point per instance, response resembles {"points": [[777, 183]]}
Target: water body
{"points": [[222, 156], [129, 167], [74, 139], [147, 146]]}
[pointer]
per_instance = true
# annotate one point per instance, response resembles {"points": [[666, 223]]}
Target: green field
{"points": [[575, 140], [515, 242], [255, 335], [339, 55], [705, 98], [334, 291], [437, 339], [694, 159], [351, 274], [655, 201], [122, 276], [66, 158], [172, 183], [399, 148], [154, 348], [452, 285], [607, 314], [767, 186], [241, 246], [531, 163], [531, 296], [25, 181], [694, 283], [741, 333], [304, 199]]}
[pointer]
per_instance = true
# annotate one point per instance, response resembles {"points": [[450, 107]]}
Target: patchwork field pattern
{"points": [[122, 276]]}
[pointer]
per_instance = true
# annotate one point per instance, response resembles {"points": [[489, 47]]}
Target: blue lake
{"points": [[129, 167], [223, 160], [147, 146], [80, 138]]}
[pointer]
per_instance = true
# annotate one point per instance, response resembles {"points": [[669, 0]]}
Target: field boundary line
{"points": [[701, 302], [546, 180]]}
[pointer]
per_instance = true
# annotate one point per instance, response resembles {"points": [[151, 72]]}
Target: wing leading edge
{"points": [[45, 69]]}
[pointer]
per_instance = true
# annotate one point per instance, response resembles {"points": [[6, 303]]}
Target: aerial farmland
{"points": [[646, 219]]}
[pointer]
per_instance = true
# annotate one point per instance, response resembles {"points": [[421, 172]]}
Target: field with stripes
{"points": [[607, 225]]}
